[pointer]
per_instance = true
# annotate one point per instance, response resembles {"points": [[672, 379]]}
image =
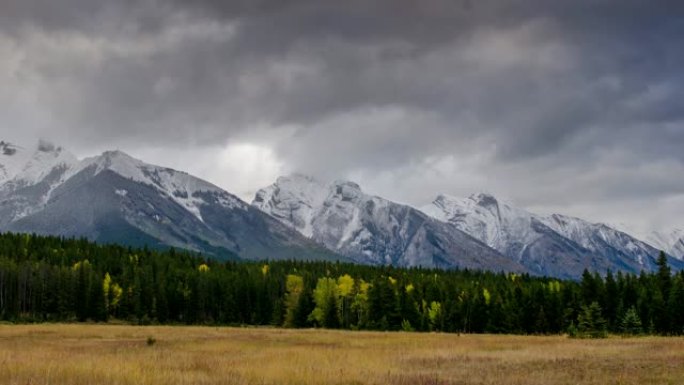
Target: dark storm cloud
{"points": [[343, 87]]}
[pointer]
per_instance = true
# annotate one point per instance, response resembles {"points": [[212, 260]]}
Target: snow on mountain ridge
{"points": [[599, 237], [370, 229], [114, 198], [52, 165], [35, 172], [672, 242], [301, 195], [497, 224], [12, 159], [182, 187], [21, 167], [514, 232], [302, 201]]}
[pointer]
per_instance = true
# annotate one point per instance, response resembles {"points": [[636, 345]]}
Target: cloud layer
{"points": [[570, 106]]}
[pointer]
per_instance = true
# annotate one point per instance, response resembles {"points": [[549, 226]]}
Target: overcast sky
{"points": [[572, 106]]}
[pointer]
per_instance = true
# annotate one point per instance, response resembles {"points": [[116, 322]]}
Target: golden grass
{"points": [[112, 354]]}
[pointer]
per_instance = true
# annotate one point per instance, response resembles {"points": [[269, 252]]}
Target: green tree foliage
{"points": [[345, 291], [294, 287], [590, 322], [326, 296], [631, 323], [435, 315], [49, 279]]}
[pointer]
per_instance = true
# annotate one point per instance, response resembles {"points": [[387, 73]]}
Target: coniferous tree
{"points": [[611, 301], [590, 322], [631, 323], [664, 275], [55, 279]]}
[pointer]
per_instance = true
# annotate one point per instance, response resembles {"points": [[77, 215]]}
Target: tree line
{"points": [[51, 279]]}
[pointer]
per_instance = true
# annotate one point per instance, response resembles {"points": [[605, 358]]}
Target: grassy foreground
{"points": [[109, 354]]}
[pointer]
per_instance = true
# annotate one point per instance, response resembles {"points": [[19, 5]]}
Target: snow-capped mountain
{"points": [[12, 159], [622, 250], [515, 233], [22, 167], [369, 229], [181, 187], [501, 226], [672, 242], [555, 245], [116, 198], [27, 177]]}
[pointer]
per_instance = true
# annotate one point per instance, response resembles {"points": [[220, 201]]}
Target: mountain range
{"points": [[116, 198], [369, 229], [554, 245]]}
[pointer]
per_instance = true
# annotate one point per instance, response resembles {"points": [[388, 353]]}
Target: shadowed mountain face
{"points": [[373, 230], [115, 198]]}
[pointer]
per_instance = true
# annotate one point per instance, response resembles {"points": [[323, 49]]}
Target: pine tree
{"points": [[664, 276], [611, 301], [590, 322], [631, 323]]}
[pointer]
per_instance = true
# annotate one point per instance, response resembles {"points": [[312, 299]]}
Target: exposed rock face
{"points": [[373, 230]]}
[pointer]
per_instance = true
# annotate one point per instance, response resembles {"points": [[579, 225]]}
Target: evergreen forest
{"points": [[51, 279]]}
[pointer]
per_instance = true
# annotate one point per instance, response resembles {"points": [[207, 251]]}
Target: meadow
{"points": [[78, 354]]}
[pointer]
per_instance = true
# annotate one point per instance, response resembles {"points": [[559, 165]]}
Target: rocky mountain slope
{"points": [[556, 245], [113, 197], [369, 229], [116, 198]]}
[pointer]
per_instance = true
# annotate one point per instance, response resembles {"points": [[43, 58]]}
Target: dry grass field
{"points": [[109, 354]]}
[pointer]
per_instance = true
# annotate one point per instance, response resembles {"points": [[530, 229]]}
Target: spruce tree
{"points": [[590, 322], [631, 323], [664, 275]]}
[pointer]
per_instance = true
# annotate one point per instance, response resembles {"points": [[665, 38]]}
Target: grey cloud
{"points": [[528, 92]]}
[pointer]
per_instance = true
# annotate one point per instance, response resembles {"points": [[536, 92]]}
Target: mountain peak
{"points": [[113, 197], [371, 229], [530, 238], [484, 199], [445, 198], [30, 167], [119, 162], [349, 191], [117, 154], [454, 204]]}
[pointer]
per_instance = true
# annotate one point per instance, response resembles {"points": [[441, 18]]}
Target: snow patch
{"points": [[350, 230], [296, 198], [20, 167]]}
